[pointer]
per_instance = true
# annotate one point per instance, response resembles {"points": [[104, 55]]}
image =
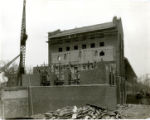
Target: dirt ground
{"points": [[134, 111], [127, 111]]}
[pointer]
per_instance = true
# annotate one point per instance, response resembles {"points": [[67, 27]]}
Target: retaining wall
{"points": [[20, 102], [51, 98], [14, 102], [31, 80]]}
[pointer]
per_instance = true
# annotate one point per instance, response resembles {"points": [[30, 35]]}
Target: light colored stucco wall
{"points": [[87, 55]]}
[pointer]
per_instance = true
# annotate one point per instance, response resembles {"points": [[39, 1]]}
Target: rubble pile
{"points": [[85, 112]]}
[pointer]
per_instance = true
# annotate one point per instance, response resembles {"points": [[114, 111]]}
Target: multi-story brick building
{"points": [[82, 47]]}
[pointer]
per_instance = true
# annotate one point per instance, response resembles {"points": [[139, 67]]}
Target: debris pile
{"points": [[85, 112]]}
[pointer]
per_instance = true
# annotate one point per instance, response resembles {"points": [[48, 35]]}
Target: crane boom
{"points": [[8, 64], [23, 39]]}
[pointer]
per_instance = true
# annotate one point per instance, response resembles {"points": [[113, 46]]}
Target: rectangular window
{"points": [[75, 47], [84, 46], [101, 44], [60, 49], [67, 48], [92, 45]]}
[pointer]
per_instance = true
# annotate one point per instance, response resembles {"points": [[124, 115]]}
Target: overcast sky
{"points": [[44, 16]]}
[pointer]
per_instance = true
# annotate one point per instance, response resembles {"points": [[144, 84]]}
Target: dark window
{"points": [[92, 45], [84, 46], [75, 47], [101, 53], [60, 49], [67, 48], [101, 44]]}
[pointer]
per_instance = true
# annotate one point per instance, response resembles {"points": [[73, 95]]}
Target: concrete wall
{"points": [[1, 109], [32, 80], [51, 98], [14, 102], [96, 76]]}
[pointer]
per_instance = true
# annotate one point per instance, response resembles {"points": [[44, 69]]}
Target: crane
{"points": [[2, 69], [3, 78], [23, 38]]}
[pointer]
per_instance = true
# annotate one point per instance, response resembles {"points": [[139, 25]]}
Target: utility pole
{"points": [[23, 39]]}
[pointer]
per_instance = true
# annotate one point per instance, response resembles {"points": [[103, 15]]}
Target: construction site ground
{"points": [[127, 111], [134, 111]]}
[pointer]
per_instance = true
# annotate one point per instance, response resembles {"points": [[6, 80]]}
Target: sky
{"points": [[43, 16]]}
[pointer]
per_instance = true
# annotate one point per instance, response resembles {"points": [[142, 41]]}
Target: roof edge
{"points": [[126, 59]]}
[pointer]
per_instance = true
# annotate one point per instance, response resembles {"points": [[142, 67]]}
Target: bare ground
{"points": [[134, 111]]}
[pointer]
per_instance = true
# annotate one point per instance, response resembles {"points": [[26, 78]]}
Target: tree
{"points": [[12, 71]]}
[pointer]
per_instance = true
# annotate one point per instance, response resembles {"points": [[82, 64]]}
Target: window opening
{"points": [[60, 49], [75, 47], [84, 46], [67, 48], [92, 45], [101, 53], [101, 44]]}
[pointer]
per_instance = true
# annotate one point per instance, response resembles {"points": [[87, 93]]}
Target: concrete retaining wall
{"points": [[14, 103], [96, 76], [51, 98], [31, 80], [1, 109], [19, 103]]}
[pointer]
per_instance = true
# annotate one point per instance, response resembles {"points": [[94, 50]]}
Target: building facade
{"points": [[82, 47], [86, 56]]}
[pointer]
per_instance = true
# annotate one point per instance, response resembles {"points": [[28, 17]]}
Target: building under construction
{"points": [[85, 66], [88, 55]]}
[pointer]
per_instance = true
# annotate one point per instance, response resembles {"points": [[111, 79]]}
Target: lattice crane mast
{"points": [[23, 39]]}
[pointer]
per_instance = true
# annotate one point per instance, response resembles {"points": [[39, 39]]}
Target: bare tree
{"points": [[12, 71]]}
